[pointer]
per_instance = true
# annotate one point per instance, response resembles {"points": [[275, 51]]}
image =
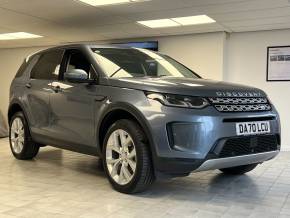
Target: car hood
{"points": [[187, 86]]}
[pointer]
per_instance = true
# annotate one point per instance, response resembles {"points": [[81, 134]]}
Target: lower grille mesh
{"points": [[249, 145]]}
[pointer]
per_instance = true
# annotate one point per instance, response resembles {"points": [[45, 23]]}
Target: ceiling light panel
{"points": [[97, 3], [159, 23], [18, 35], [193, 20], [177, 21]]}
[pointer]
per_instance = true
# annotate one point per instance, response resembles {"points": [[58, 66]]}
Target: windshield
{"points": [[135, 62]]}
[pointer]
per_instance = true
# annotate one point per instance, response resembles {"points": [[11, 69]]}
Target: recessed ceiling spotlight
{"points": [[177, 21], [97, 3], [18, 35]]}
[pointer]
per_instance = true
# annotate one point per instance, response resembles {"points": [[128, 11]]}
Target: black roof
{"points": [[78, 45]]}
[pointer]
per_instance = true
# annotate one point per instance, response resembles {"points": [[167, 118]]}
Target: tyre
{"points": [[21, 144], [239, 169], [126, 157]]}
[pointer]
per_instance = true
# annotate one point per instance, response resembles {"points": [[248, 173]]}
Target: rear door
{"points": [[73, 105], [38, 89]]}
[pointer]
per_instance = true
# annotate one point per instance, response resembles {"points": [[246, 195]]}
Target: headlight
{"points": [[179, 100]]}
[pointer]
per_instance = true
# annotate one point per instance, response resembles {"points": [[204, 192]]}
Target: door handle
{"points": [[100, 98], [56, 89], [28, 85]]}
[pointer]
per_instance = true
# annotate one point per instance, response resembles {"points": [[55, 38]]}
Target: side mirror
{"points": [[76, 76]]}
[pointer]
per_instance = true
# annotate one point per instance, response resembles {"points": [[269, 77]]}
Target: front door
{"points": [[73, 105]]}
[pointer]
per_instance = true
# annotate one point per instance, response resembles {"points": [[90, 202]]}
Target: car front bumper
{"points": [[207, 128]]}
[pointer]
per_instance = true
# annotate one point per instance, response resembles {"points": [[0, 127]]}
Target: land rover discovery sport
{"points": [[143, 113]]}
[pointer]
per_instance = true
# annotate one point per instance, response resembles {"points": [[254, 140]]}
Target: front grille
{"points": [[237, 104], [249, 145]]}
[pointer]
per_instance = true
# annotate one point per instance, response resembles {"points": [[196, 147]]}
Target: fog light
{"points": [[185, 136]]}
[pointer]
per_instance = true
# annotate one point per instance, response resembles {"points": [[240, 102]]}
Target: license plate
{"points": [[253, 128]]}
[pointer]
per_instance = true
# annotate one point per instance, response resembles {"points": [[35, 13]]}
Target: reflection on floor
{"points": [[65, 184]]}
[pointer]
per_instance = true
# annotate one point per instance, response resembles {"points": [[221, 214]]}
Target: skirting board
{"points": [[285, 148]]}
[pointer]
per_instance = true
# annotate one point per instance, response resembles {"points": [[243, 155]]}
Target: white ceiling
{"points": [[61, 21]]}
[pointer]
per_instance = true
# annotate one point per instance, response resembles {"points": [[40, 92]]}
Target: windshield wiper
{"points": [[113, 74]]}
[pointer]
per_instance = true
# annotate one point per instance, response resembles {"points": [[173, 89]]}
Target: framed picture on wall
{"points": [[278, 63]]}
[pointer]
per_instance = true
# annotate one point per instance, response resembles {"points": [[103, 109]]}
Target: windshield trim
{"points": [[197, 75]]}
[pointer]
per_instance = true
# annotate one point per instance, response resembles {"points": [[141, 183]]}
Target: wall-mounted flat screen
{"points": [[151, 45], [278, 63]]}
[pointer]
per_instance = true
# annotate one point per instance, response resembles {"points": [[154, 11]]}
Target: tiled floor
{"points": [[65, 184]]}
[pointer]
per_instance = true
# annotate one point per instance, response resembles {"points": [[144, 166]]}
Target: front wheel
{"points": [[239, 169], [21, 144], [126, 157]]}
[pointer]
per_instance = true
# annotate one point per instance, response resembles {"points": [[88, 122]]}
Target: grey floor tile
{"points": [[66, 184]]}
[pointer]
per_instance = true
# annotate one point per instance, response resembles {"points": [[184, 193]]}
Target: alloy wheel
{"points": [[121, 157], [17, 135]]}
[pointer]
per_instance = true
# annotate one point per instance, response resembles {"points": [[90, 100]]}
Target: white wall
{"points": [[246, 63], [203, 53]]}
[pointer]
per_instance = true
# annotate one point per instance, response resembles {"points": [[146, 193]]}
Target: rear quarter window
{"points": [[21, 69], [27, 66]]}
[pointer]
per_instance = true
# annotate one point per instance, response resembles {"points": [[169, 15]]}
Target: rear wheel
{"points": [[239, 169], [21, 144], [126, 157]]}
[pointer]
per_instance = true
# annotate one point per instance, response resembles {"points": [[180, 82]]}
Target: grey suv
{"points": [[143, 113]]}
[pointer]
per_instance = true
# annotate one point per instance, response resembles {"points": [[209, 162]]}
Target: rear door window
{"points": [[48, 65]]}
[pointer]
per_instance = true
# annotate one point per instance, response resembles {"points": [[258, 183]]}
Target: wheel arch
{"points": [[123, 111], [14, 107]]}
